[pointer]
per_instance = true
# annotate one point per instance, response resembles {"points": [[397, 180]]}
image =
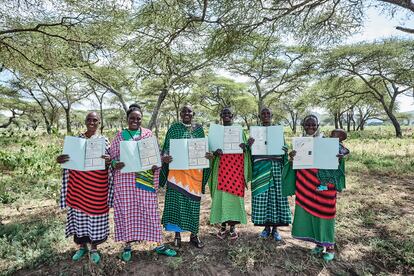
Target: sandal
{"points": [[164, 250], [233, 235], [79, 254], [265, 234], [276, 236], [95, 257], [317, 250], [328, 256], [222, 233], [126, 255], [195, 240]]}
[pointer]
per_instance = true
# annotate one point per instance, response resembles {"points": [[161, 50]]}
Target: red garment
{"points": [[88, 191], [321, 204], [231, 174]]}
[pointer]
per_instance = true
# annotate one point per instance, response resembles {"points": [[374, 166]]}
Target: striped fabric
{"points": [[261, 176], [135, 210], [270, 207], [89, 228], [321, 204], [145, 181], [88, 191]]}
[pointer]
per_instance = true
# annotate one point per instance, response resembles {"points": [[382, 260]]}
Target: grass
{"points": [[374, 228], [31, 243]]}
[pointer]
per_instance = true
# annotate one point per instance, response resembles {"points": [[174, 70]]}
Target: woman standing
{"points": [[88, 197], [135, 199], [315, 209], [184, 187], [269, 208], [229, 175]]}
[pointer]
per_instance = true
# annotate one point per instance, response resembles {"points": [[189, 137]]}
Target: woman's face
{"points": [[92, 122], [134, 120], [310, 126], [186, 115], [226, 115], [266, 116]]}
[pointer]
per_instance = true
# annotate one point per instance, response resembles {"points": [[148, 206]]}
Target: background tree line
{"points": [[58, 57]]}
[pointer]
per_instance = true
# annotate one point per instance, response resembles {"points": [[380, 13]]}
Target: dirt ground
{"points": [[374, 213]]}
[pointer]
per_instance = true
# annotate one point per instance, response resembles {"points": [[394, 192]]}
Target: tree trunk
{"points": [[295, 122], [102, 116], [336, 120], [68, 127], [349, 119], [388, 109], [154, 116], [395, 123]]}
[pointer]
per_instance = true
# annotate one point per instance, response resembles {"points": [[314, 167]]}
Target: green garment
{"points": [[310, 228], [179, 209], [225, 206], [305, 225], [130, 134], [269, 207], [261, 174]]}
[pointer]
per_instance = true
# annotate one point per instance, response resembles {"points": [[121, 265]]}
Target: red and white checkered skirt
{"points": [[135, 210]]}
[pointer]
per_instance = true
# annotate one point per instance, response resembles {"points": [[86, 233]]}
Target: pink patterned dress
{"points": [[135, 210]]}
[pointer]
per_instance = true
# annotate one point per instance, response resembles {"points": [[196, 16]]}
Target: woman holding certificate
{"points": [[135, 200], [229, 175], [315, 191], [88, 196], [269, 208], [184, 187]]}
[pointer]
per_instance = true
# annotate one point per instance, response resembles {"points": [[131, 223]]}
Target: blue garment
{"points": [[173, 228]]}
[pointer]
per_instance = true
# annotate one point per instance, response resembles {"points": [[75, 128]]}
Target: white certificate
{"points": [[304, 151], [197, 149], [139, 155], [189, 154], [149, 153], [226, 138], [84, 154], [315, 153], [267, 140]]}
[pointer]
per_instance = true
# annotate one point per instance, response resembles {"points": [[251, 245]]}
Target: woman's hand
{"points": [[209, 156], [154, 168], [166, 159], [218, 153], [292, 155], [250, 141], [119, 165], [62, 158], [107, 159]]}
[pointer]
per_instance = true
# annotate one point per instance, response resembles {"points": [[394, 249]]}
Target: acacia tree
{"points": [[384, 67], [66, 90], [31, 89], [271, 67], [11, 102], [40, 35], [214, 92]]}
